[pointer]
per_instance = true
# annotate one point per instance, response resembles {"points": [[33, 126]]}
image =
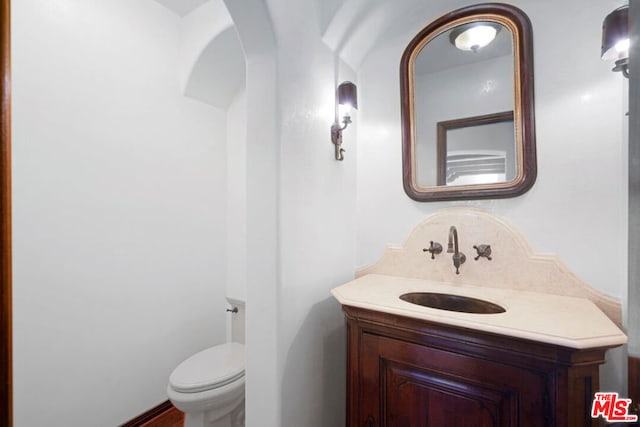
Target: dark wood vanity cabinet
{"points": [[407, 372]]}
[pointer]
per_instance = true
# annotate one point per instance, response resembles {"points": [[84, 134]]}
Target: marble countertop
{"points": [[566, 321]]}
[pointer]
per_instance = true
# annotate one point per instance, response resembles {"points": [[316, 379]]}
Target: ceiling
{"points": [[182, 7]]}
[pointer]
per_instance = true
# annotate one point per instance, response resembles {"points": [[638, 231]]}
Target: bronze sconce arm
{"points": [[346, 95]]}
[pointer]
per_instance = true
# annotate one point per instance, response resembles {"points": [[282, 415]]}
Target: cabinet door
{"points": [[408, 385]]}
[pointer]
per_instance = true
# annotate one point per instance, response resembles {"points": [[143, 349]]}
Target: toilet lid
{"points": [[209, 369]]}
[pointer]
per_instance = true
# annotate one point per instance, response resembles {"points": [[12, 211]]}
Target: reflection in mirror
{"points": [[467, 106], [453, 80], [476, 150]]}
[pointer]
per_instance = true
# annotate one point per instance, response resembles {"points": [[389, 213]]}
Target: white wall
{"points": [[317, 222], [252, 20], [119, 211], [577, 207], [236, 225]]}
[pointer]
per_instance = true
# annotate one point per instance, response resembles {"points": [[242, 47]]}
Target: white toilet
{"points": [[209, 386]]}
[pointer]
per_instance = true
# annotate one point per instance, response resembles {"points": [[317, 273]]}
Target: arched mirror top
{"points": [[467, 106]]}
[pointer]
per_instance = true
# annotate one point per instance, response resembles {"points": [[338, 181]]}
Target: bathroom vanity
{"points": [[514, 340], [410, 365]]}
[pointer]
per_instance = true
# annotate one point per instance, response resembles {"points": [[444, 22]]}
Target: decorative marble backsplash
{"points": [[514, 265]]}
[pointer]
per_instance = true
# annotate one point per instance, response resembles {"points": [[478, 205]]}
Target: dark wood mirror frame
{"points": [[524, 117]]}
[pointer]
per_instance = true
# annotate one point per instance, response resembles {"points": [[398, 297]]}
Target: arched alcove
{"points": [[218, 75], [228, 52]]}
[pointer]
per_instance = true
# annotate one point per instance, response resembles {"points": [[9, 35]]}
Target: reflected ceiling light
{"points": [[615, 39], [346, 98], [474, 36]]}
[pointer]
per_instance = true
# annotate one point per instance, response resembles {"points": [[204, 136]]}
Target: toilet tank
{"points": [[235, 321]]}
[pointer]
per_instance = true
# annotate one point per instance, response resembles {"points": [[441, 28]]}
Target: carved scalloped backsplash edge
{"points": [[514, 265]]}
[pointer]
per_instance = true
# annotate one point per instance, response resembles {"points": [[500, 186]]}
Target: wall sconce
{"points": [[347, 98], [615, 39]]}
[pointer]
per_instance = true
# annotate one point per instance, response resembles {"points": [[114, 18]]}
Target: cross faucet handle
{"points": [[484, 251], [434, 249]]}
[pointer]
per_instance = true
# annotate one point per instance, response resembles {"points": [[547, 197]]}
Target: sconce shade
{"points": [[348, 94], [615, 35]]}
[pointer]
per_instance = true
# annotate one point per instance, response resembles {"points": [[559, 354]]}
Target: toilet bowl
{"points": [[209, 387]]}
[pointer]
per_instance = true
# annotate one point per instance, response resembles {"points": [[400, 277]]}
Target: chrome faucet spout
{"points": [[452, 247]]}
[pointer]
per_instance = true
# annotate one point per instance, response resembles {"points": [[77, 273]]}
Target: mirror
{"points": [[467, 106]]}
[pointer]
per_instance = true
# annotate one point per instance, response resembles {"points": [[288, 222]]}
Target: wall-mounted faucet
{"points": [[458, 257]]}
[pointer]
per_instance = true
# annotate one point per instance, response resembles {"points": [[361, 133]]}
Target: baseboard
{"points": [[163, 415]]}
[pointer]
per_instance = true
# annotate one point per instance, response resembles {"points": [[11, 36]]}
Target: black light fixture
{"points": [[615, 39], [346, 98]]}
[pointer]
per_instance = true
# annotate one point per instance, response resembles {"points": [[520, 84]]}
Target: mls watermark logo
{"points": [[612, 408]]}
